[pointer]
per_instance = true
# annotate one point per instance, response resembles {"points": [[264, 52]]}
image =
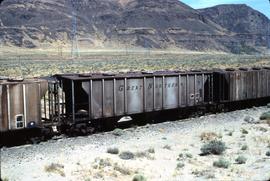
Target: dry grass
{"points": [[114, 151], [208, 136], [262, 139], [268, 122], [122, 169], [55, 168], [42, 63]]}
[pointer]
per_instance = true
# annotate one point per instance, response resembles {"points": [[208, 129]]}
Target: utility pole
{"points": [[146, 43], [268, 37], [75, 5]]}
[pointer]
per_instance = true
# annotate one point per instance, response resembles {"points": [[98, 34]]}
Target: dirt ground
{"points": [[166, 151]]}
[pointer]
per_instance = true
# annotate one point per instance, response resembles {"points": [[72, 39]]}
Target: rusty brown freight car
{"points": [[241, 84], [20, 103]]}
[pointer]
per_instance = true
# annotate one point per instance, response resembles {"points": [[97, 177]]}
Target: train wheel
{"points": [[109, 124]]}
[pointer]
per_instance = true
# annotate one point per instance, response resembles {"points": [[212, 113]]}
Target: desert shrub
{"points": [[213, 147], [141, 154], [117, 132], [244, 147], [168, 147], [267, 153], [181, 155], [265, 116], [221, 163], [127, 155], [189, 155], [230, 133], [113, 151], [139, 177], [180, 165], [55, 168], [244, 131], [151, 150], [102, 163], [262, 129], [241, 160]]}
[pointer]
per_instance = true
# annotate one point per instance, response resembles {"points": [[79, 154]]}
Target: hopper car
{"points": [[83, 103]]}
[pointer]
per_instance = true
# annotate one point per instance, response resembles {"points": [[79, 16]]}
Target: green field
{"points": [[44, 63]]}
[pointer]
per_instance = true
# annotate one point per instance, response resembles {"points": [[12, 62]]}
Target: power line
{"points": [[75, 6]]}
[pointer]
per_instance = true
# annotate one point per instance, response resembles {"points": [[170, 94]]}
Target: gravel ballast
{"points": [[86, 158]]}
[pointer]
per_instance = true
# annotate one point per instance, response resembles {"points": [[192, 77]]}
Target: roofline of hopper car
{"points": [[93, 76], [241, 69], [20, 81]]}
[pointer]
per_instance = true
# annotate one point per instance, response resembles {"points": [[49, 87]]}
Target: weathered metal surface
{"points": [[242, 84], [149, 92], [134, 96], [20, 103], [118, 95], [158, 93], [108, 101], [171, 92]]}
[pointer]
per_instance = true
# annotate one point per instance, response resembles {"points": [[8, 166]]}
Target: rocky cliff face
{"points": [[134, 23], [238, 18], [248, 25]]}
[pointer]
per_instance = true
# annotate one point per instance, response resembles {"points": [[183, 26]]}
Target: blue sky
{"points": [[260, 5]]}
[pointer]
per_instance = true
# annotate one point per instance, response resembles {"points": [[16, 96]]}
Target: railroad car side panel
{"points": [[191, 90], [183, 88], [232, 87], [134, 96], [158, 93], [236, 85], [108, 109], [264, 82], [241, 85], [254, 84], [97, 99], [199, 89], [244, 85], [119, 97], [260, 86], [258, 89], [170, 92], [3, 108], [249, 84], [268, 78], [16, 108], [32, 103], [149, 94]]}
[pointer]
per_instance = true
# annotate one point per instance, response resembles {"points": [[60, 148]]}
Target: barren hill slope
{"points": [[238, 18], [116, 23], [249, 25]]}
